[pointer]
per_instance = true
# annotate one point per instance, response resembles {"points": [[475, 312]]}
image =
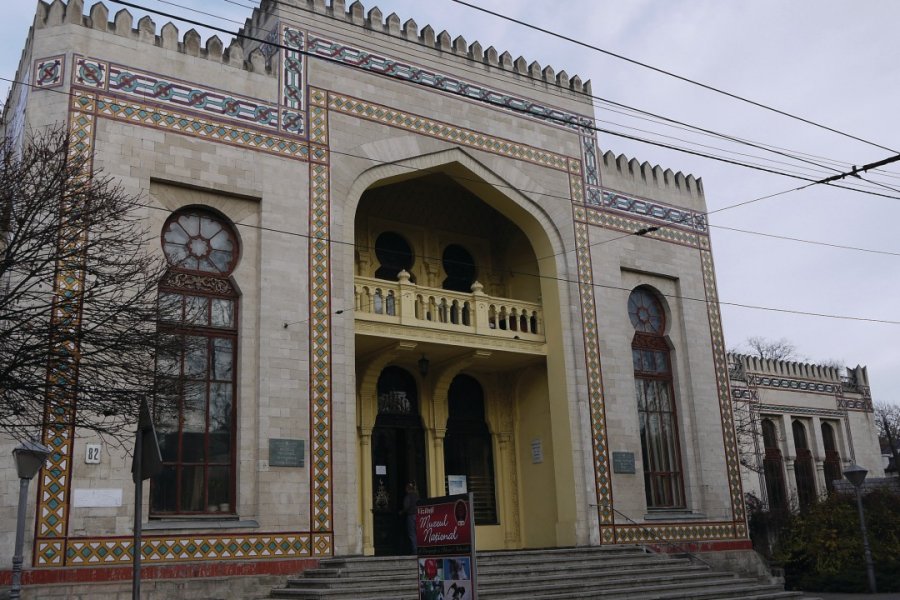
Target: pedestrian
{"points": [[409, 513]]}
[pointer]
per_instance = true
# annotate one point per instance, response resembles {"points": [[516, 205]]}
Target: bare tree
{"points": [[78, 291], [887, 419], [781, 349]]}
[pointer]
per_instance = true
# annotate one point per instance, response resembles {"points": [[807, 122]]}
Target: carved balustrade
{"points": [[405, 303]]}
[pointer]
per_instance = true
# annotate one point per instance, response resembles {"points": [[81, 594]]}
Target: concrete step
{"points": [[617, 572]]}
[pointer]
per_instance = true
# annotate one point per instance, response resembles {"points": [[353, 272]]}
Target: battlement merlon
{"points": [[259, 23], [855, 377], [630, 177]]}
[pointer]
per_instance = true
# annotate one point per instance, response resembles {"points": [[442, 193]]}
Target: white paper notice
{"points": [[96, 498]]}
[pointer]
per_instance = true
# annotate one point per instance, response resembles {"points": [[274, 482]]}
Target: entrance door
{"points": [[398, 457]]}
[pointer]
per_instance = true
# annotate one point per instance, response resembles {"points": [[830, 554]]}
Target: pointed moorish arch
{"points": [[554, 265]]}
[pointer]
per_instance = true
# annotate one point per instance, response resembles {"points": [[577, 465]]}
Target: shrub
{"points": [[821, 549]]}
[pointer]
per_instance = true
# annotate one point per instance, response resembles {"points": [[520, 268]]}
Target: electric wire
{"points": [[576, 281], [296, 10], [829, 181], [290, 9], [673, 75], [567, 198]]}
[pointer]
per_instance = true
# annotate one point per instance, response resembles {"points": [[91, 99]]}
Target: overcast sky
{"points": [[832, 62]]}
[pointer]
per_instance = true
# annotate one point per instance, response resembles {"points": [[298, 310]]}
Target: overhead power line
{"points": [[671, 74], [490, 103], [551, 196]]}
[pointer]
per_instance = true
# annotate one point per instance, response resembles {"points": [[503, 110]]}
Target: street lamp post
{"points": [[29, 457], [856, 475]]}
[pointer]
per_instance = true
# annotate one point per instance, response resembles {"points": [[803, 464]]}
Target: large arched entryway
{"points": [[449, 290]]}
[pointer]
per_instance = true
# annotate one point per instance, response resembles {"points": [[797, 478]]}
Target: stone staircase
{"points": [[620, 572]]}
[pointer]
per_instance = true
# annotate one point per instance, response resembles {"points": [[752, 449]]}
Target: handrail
{"points": [[670, 543]]}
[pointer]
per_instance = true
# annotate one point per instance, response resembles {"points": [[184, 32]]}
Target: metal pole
{"points": [[15, 591], [138, 502], [870, 567]]}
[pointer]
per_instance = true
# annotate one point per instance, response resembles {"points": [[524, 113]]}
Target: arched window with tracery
{"points": [[654, 392], [773, 468], [804, 471], [832, 457], [468, 448], [198, 306]]}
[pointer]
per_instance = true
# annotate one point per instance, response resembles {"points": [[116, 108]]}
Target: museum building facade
{"points": [[405, 259]]}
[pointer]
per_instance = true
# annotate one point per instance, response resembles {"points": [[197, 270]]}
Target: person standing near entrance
{"points": [[409, 513]]}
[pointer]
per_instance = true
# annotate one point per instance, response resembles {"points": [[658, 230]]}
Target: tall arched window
{"points": [[773, 468], [198, 305], [663, 477], [468, 449], [803, 467], [832, 458]]}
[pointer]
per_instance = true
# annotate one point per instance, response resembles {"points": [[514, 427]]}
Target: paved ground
{"points": [[894, 596]]}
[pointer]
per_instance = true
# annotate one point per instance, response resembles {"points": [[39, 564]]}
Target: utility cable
{"points": [[671, 74], [543, 193], [294, 10]]}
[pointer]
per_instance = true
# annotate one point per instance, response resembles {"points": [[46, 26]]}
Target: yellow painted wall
{"points": [[538, 481]]}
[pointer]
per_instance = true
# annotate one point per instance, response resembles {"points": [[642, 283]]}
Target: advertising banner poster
{"points": [[445, 539]]}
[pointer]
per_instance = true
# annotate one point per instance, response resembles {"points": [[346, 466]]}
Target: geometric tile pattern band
{"points": [[62, 368], [420, 77], [720, 363], [320, 348], [602, 481], [458, 135], [176, 548]]}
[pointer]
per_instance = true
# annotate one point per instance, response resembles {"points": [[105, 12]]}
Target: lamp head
{"points": [[856, 475], [30, 457], [423, 365]]}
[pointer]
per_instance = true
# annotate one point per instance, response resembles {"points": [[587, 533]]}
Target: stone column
{"points": [[438, 478], [509, 482], [365, 473]]}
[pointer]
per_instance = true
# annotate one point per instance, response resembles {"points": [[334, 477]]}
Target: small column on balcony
{"points": [[480, 319], [406, 303]]}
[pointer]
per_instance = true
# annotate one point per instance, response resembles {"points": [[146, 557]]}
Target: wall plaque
{"points": [[285, 453], [623, 462]]}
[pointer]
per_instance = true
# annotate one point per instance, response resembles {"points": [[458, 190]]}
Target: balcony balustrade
{"points": [[405, 303]]}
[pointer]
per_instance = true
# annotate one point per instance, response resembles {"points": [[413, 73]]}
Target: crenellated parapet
{"points": [[851, 377], [169, 37], [392, 25], [630, 176]]}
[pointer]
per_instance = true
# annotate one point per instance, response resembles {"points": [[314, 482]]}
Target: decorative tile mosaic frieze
{"points": [[800, 410], [81, 552], [670, 215], [720, 362], [90, 73], [168, 92], [602, 482], [361, 59], [112, 107], [744, 394], [797, 385], [863, 404], [320, 348], [293, 117], [62, 370], [688, 532], [618, 222], [49, 72], [451, 133]]}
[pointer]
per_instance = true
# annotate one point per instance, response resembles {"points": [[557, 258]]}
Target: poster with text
{"points": [[445, 536]]}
